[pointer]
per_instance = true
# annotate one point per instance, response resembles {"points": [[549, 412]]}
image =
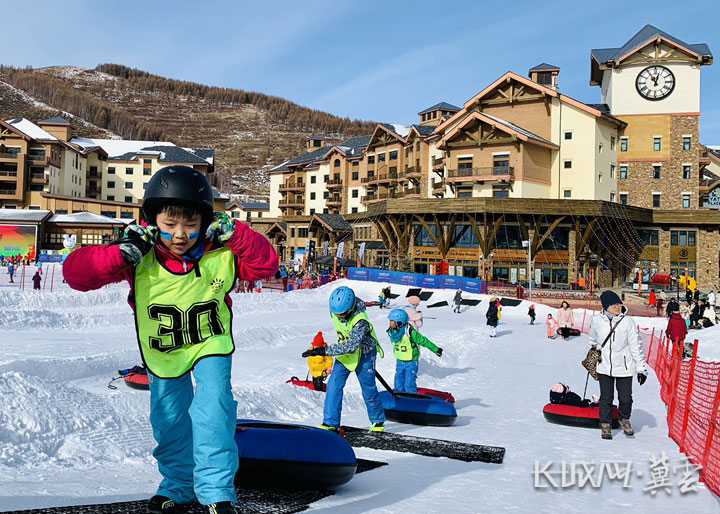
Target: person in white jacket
{"points": [[711, 299], [622, 359]]}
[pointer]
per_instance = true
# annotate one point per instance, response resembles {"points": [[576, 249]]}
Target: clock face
{"points": [[655, 82]]}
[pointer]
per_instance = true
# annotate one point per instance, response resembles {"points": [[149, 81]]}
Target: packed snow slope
{"points": [[66, 439]]}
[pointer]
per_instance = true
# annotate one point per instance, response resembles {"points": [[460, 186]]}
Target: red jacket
{"points": [[92, 267], [676, 329]]}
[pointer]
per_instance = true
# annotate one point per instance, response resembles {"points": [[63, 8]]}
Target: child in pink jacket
{"points": [[181, 266], [551, 326]]}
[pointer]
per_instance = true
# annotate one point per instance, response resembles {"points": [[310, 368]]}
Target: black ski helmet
{"points": [[180, 185]]}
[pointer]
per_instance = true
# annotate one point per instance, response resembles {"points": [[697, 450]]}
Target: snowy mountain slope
{"points": [[60, 424]]}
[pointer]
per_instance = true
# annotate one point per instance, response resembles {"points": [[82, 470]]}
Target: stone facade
{"points": [[707, 258]]}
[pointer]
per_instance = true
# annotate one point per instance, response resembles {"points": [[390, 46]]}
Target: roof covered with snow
{"points": [[128, 150], [28, 128], [23, 215], [400, 130], [83, 218], [56, 119]]}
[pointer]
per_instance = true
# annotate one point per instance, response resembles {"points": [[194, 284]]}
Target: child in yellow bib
{"points": [[406, 341], [319, 365], [181, 265]]}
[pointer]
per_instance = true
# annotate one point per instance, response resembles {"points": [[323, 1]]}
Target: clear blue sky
{"points": [[382, 61]]}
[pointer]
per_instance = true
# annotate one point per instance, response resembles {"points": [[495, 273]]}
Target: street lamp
{"points": [[526, 244]]}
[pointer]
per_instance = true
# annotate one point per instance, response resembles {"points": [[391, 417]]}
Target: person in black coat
{"points": [[672, 306], [696, 295], [492, 317], [37, 280], [688, 296]]}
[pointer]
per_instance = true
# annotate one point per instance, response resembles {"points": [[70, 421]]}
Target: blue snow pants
{"points": [[365, 372], [406, 376], [195, 433]]}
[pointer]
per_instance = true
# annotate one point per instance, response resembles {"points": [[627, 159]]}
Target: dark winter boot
{"points": [[222, 508], [162, 505], [627, 428], [605, 431], [378, 427]]}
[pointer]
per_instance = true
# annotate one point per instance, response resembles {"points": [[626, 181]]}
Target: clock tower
{"points": [[652, 82]]}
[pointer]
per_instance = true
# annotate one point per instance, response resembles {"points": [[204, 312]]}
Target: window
{"points": [[336, 163], [600, 147], [686, 170], [326, 178], [313, 179], [292, 232], [648, 237], [109, 214], [501, 191], [128, 199], [299, 180], [623, 171], [568, 135], [393, 170], [111, 170], [111, 198], [147, 171], [371, 159], [354, 210], [686, 201], [612, 197], [128, 185], [567, 165], [146, 161], [393, 155], [355, 193], [93, 170], [129, 171], [34, 207], [12, 150], [466, 192], [312, 211], [623, 144], [464, 163], [381, 157], [612, 142], [111, 184], [326, 194], [57, 211], [567, 193], [623, 198], [336, 176], [325, 210], [600, 175], [259, 214], [657, 143], [355, 175], [656, 200], [126, 215], [686, 142], [656, 171], [302, 232], [36, 187], [312, 196], [612, 171], [356, 163]]}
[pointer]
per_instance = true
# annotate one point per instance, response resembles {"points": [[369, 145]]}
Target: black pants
{"points": [[456, 308], [318, 383], [607, 395], [565, 332]]}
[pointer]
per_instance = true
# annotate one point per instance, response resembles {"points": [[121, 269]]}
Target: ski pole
{"points": [[586, 383], [385, 384]]}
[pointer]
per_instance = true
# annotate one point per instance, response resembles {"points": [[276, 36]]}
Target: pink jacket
{"points": [[414, 317], [564, 317], [551, 326], [92, 267]]}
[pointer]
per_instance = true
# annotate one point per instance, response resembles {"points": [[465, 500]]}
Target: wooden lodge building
{"points": [[614, 186]]}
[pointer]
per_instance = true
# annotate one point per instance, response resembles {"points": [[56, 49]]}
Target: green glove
{"points": [[136, 242], [222, 227]]}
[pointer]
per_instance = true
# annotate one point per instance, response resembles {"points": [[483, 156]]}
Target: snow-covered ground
{"points": [[66, 439]]}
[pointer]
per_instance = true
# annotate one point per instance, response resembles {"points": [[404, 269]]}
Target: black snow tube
{"points": [[573, 416], [292, 455]]}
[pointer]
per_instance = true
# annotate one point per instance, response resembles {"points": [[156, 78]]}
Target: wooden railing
{"points": [[486, 173]]}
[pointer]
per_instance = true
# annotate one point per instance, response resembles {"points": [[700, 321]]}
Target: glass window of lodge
{"points": [[686, 201], [355, 175], [111, 198], [656, 171], [568, 135], [464, 192], [128, 199], [355, 193], [501, 191], [623, 144], [686, 142], [648, 237], [657, 144], [465, 163], [381, 157], [559, 239], [656, 200], [623, 171], [337, 163], [393, 155], [371, 159], [612, 171], [326, 194], [313, 179], [147, 171], [354, 210], [567, 193], [356, 163], [302, 232], [129, 171], [128, 185], [111, 170], [111, 184], [312, 196], [686, 171], [567, 165], [623, 198], [612, 142], [326, 178]]}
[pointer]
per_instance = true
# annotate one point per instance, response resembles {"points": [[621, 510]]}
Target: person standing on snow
{"points": [[11, 272], [181, 267], [531, 313], [320, 366], [711, 299], [457, 301], [622, 358], [406, 341], [415, 317], [356, 350], [565, 319], [37, 280], [492, 317]]}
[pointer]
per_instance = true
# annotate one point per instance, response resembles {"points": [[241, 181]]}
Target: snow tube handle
{"points": [[385, 384]]}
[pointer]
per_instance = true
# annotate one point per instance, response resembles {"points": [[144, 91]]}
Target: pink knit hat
{"points": [[559, 388]]}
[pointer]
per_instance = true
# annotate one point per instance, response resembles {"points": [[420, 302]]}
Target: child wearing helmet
{"points": [[356, 350], [406, 341], [181, 263], [320, 365]]}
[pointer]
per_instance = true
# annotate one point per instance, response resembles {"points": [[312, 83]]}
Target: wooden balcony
{"points": [[292, 186], [39, 178], [5, 155], [438, 188], [38, 160], [438, 163], [413, 172], [334, 200], [378, 197], [413, 192], [94, 189], [96, 175], [8, 192], [5, 173], [378, 179], [499, 173], [292, 202], [334, 183]]}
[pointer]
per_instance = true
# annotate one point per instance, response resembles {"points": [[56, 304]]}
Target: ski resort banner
{"points": [[18, 240], [470, 285]]}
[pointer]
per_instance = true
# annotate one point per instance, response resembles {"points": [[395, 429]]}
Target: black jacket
{"points": [[492, 315]]}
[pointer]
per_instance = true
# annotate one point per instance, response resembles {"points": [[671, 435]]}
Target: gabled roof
{"points": [[262, 206], [442, 106], [545, 67], [644, 36], [36, 215], [56, 120], [505, 126], [31, 130], [333, 222], [217, 195], [84, 218], [307, 157]]}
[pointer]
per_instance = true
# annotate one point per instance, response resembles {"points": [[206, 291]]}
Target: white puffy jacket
{"points": [[622, 355]]}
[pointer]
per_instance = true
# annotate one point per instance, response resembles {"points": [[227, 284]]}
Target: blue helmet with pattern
{"points": [[399, 316], [341, 300]]}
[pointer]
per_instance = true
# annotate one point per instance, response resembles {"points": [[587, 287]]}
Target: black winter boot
{"points": [[162, 505], [222, 508]]}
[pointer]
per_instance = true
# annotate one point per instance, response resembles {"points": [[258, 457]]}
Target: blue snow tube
{"points": [[418, 409], [291, 455]]}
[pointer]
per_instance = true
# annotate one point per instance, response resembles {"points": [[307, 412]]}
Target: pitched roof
{"points": [[444, 106], [307, 157], [424, 130], [263, 206], [645, 34], [603, 108], [395, 128], [31, 130], [334, 221], [544, 66], [518, 129], [56, 119], [23, 214], [84, 218], [217, 194]]}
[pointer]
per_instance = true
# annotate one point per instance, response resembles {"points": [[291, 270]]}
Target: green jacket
{"points": [[416, 339]]}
